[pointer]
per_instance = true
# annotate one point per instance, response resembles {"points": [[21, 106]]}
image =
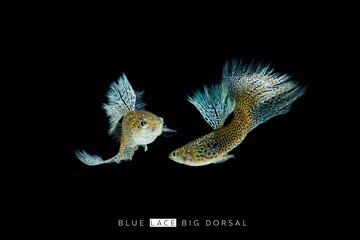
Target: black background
{"points": [[273, 183]]}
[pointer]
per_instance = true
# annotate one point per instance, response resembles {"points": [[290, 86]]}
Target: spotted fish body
{"points": [[138, 128], [254, 93], [213, 147], [131, 125]]}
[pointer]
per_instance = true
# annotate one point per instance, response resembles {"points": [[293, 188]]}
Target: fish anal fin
{"points": [[224, 159]]}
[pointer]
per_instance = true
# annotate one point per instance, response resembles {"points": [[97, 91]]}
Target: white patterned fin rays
{"points": [[121, 99], [214, 103], [140, 104], [126, 153], [262, 93], [92, 160]]}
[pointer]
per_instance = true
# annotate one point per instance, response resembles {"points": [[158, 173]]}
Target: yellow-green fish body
{"points": [[212, 147], [136, 128], [254, 93]]}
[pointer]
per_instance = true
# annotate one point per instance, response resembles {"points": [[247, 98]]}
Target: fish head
{"points": [[180, 155], [202, 151], [146, 127], [188, 155]]}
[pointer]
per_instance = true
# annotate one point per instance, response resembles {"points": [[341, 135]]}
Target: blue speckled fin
{"points": [[214, 104], [260, 92]]}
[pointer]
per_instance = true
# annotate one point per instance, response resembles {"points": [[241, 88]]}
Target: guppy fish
{"points": [[254, 92], [138, 127]]}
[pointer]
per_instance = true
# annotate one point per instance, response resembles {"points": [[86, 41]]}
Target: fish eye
{"points": [[175, 154], [143, 123]]}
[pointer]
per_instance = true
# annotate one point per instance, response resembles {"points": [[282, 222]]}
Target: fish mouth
{"points": [[161, 121], [179, 159], [175, 159]]}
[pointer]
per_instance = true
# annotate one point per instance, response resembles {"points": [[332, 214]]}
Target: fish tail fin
{"points": [[214, 103], [125, 153], [92, 160], [260, 93], [121, 99]]}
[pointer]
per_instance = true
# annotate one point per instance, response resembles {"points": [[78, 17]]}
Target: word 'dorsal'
{"points": [[162, 222]]}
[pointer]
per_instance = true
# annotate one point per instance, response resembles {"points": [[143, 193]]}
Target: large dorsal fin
{"points": [[121, 99], [214, 103]]}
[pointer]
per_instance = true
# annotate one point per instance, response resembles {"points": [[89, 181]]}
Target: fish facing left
{"points": [[137, 128]]}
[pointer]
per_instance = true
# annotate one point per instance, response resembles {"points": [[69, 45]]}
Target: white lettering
{"points": [[172, 222], [225, 223], [162, 222], [131, 223], [190, 223], [244, 224]]}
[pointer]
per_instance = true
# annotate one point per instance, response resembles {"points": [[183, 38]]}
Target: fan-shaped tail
{"points": [[260, 93]]}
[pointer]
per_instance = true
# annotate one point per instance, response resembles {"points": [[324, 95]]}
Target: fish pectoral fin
{"points": [[167, 132], [224, 159], [145, 147]]}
